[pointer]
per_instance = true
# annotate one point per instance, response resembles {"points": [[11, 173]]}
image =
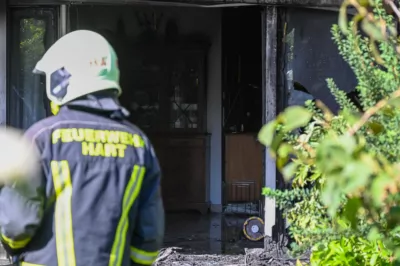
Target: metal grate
{"points": [[242, 197]]}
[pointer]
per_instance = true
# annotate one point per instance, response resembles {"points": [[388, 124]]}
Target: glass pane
{"points": [[28, 102], [160, 68], [140, 60], [145, 81], [310, 57], [184, 94]]}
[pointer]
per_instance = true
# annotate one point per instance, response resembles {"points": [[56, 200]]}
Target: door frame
{"points": [[196, 3], [3, 61]]}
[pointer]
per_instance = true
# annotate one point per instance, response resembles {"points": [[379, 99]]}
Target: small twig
{"points": [[393, 7], [370, 112], [328, 115], [308, 148]]}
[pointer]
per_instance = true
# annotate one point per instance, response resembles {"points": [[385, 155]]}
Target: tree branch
{"points": [[371, 111], [393, 7]]}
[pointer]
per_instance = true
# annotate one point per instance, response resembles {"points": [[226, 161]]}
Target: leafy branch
{"points": [[344, 168], [373, 110]]}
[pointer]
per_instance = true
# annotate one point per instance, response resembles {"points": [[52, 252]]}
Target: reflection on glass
{"points": [[299, 95], [144, 85], [27, 98], [145, 108], [310, 57], [184, 98]]}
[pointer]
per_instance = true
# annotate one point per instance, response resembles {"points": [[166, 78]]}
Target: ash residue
{"points": [[260, 257], [252, 257]]}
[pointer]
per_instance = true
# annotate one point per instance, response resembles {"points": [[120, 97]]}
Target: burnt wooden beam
{"points": [[195, 3], [269, 88], [3, 62]]}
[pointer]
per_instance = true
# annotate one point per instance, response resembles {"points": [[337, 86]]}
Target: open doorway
{"points": [[242, 110], [171, 74], [164, 58]]}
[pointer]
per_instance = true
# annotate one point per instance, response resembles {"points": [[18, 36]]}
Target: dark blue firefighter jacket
{"points": [[98, 201]]}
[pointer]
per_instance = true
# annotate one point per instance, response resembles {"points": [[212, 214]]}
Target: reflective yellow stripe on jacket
{"points": [[15, 244], [143, 257], [23, 263], [63, 213], [131, 192]]}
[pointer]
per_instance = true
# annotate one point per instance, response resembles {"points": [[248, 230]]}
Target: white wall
{"points": [[214, 117], [190, 20]]}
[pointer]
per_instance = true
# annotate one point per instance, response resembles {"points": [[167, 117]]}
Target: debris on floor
{"points": [[215, 240], [253, 257], [273, 257], [207, 234], [4, 258], [243, 208]]}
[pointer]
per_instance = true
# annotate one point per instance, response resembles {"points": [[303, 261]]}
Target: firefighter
{"points": [[97, 201]]}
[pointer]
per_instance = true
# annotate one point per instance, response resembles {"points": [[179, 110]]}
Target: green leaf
{"points": [[388, 110], [394, 217], [289, 170], [281, 162], [394, 102], [397, 255], [351, 210], [267, 132], [295, 117], [284, 150], [348, 143], [276, 143], [351, 116], [375, 127], [395, 212], [343, 17], [373, 30], [331, 195], [374, 234], [342, 223], [378, 188], [392, 30], [302, 174], [356, 174], [314, 176], [332, 156], [373, 259], [266, 191]]}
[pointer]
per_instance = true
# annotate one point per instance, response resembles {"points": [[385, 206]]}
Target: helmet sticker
{"points": [[99, 62], [59, 82]]}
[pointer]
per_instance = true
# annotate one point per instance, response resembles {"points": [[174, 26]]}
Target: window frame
{"points": [[51, 15]]}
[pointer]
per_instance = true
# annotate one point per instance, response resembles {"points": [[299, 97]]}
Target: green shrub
{"points": [[345, 169]]}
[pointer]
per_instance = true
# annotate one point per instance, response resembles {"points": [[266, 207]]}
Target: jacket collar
{"points": [[95, 103]]}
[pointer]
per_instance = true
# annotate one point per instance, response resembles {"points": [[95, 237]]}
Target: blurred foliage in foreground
{"points": [[345, 169]]}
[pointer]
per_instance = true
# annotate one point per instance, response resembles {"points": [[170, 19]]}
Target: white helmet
{"points": [[80, 63]]}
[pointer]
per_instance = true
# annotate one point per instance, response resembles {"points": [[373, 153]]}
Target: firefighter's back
{"points": [[98, 201], [94, 166]]}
